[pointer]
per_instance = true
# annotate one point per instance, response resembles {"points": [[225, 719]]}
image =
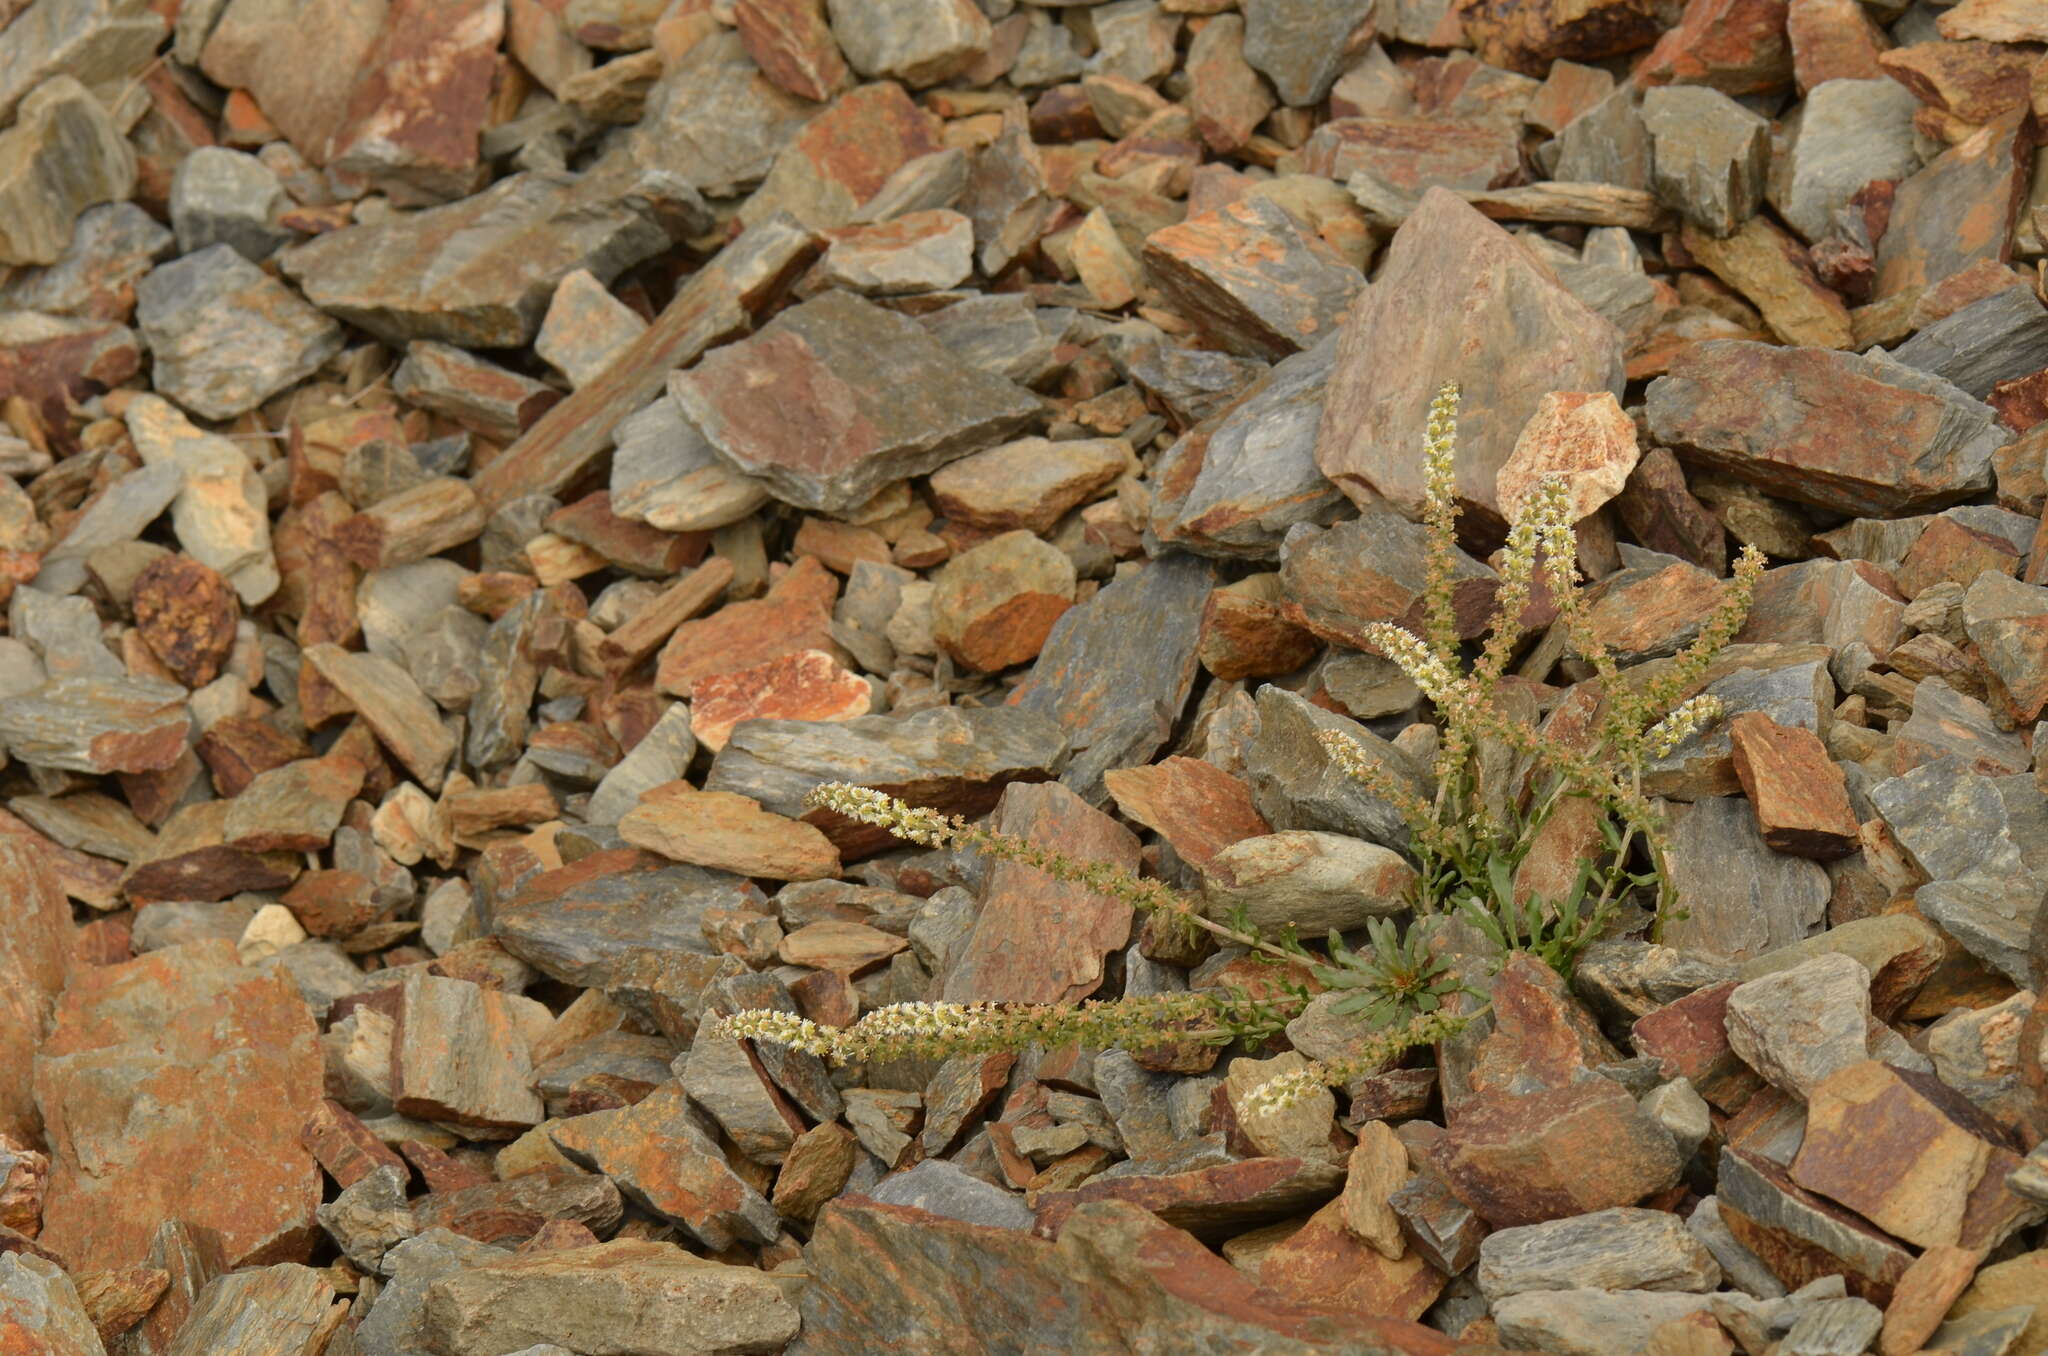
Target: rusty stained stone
{"points": [[804, 685], [1581, 436], [397, 712], [345, 1147], [1771, 268], [1522, 1158], [1977, 82], [460, 1053], [631, 546], [1405, 155], [1370, 569], [420, 103], [97, 725], [1883, 1143], [51, 360], [1030, 483], [35, 961], [1841, 431], [1801, 1236], [796, 615], [1325, 1264], [1251, 280], [1211, 1202], [1833, 40], [796, 405], [175, 1087], [664, 1161], [727, 832], [1529, 35], [187, 615], [295, 807], [481, 396], [1735, 46], [842, 157], [1688, 1037], [1457, 298], [994, 605], [1196, 806], [1038, 940], [1956, 211], [793, 45], [1246, 633]]}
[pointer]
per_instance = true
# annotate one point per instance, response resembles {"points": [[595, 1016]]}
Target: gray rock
{"points": [[666, 474], [226, 336], [1048, 55], [221, 514], [1115, 672], [589, 933], [129, 504], [444, 654], [938, 1186], [1618, 1249], [1741, 1267], [662, 755], [1997, 339], [1832, 1326], [395, 1325], [1710, 155], [1590, 1322], [1251, 280], [1947, 725], [1192, 383], [1955, 823], [1314, 881], [370, 1217], [720, 1078], [499, 713], [1607, 144], [919, 42], [1233, 485], [392, 603], [1134, 39], [321, 971], [174, 922], [1741, 898], [1297, 785], [1850, 132], [479, 273], [64, 154], [65, 632], [97, 725], [97, 42], [1798, 1026], [110, 247], [934, 179], [1994, 917], [227, 197], [1789, 683], [714, 122], [1002, 334], [493, 401], [796, 405], [1302, 46]]}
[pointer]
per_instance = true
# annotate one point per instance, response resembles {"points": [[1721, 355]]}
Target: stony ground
{"points": [[471, 468]]}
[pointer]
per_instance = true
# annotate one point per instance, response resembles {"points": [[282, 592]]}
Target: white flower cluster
{"points": [[1427, 670], [780, 1028], [1668, 733], [926, 828], [1282, 1091], [926, 1019]]}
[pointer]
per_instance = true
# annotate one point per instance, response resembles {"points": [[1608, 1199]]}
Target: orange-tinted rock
{"points": [[175, 1087], [1735, 46], [656, 1151], [1028, 484], [1246, 633], [1195, 806], [1688, 1037], [187, 614], [1833, 40], [1037, 940], [839, 545], [1949, 552], [1883, 1144], [796, 615], [631, 546], [1405, 155], [1957, 211], [804, 685], [1251, 280], [1581, 436], [1975, 81], [1799, 793], [793, 45], [849, 948], [727, 832], [1650, 613], [1923, 1296], [1324, 1263], [995, 605], [35, 958], [1528, 35], [344, 1146], [1522, 1158]]}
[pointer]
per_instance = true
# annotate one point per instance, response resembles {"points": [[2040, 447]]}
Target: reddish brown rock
{"points": [[804, 685], [1037, 940], [1735, 46], [175, 1087], [344, 1146], [795, 616], [1407, 155], [1771, 269], [1246, 633], [846, 948], [1516, 336], [1662, 513], [1949, 552], [839, 545], [793, 45], [631, 546], [461, 1053], [1800, 796], [1688, 1037], [1226, 96], [35, 959], [727, 832], [1370, 569], [1252, 281], [1528, 35], [47, 360], [993, 606], [293, 808], [1923, 1297], [1522, 1158], [1880, 1142], [1028, 484], [1581, 436], [656, 1152], [1324, 1263], [192, 859], [97, 725], [392, 704], [1833, 40], [1195, 806], [421, 101], [187, 614], [1975, 81]]}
